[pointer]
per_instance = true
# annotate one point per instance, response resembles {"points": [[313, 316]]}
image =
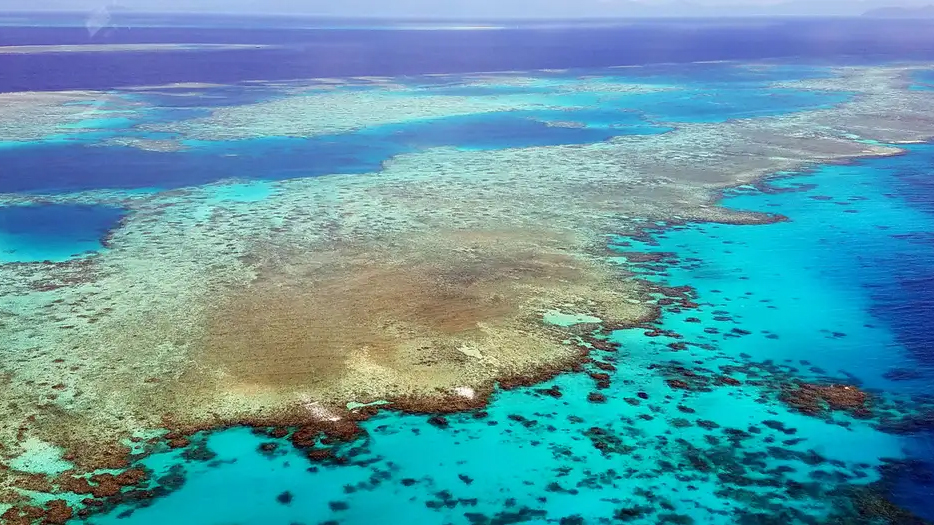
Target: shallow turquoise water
{"points": [[709, 104], [54, 232], [796, 299], [924, 79], [723, 74], [829, 260]]}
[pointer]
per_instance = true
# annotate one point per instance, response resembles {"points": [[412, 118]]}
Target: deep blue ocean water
{"points": [[63, 166], [54, 232], [842, 290], [339, 52]]}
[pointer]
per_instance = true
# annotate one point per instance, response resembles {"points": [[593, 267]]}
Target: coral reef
{"points": [[425, 284], [815, 399]]}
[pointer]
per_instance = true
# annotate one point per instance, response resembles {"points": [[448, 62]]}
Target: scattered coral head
{"points": [[816, 399]]}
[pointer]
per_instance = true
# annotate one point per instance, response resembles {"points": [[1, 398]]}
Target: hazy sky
{"points": [[476, 8]]}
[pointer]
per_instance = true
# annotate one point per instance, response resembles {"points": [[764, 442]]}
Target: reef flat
{"points": [[32, 116], [318, 109], [421, 284]]}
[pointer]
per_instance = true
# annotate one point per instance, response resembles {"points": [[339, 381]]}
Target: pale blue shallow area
{"points": [[705, 92], [809, 297], [924, 80], [101, 123], [708, 104], [724, 74], [72, 161]]}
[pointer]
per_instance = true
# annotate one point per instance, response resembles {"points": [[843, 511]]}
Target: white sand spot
{"points": [[470, 351], [40, 457], [318, 411], [465, 391]]}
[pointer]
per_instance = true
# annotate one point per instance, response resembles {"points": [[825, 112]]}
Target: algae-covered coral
{"points": [[421, 283]]}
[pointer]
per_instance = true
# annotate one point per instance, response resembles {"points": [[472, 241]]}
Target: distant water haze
{"points": [[482, 9]]}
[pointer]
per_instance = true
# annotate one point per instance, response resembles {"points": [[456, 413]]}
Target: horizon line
{"points": [[611, 18]]}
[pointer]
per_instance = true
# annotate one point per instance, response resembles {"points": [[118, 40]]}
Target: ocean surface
{"points": [[337, 48], [844, 289]]}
